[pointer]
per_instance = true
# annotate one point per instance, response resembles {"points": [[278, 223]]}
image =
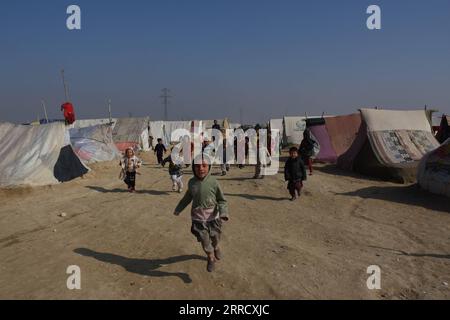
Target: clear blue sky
{"points": [[270, 58]]}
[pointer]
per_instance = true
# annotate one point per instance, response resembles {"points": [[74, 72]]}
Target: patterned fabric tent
{"points": [[390, 144]]}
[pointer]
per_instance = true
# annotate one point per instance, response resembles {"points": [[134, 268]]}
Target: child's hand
{"points": [[225, 219], [176, 213]]}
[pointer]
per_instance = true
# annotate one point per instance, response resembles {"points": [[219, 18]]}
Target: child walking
{"points": [[160, 150], [294, 173], [130, 163], [209, 209], [176, 174]]}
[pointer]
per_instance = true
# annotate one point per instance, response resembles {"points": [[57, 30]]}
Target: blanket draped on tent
{"points": [[399, 137]]}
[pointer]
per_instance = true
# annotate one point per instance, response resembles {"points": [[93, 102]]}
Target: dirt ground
{"points": [[130, 246]]}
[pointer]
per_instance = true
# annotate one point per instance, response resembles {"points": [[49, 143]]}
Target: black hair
{"points": [[293, 149], [159, 140]]}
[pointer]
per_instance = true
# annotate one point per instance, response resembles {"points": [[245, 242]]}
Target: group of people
{"points": [[209, 207]]}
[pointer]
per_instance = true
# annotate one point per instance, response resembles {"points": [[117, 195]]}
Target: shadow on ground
{"points": [[336, 171], [410, 195], [256, 197], [145, 267], [418, 255], [118, 190]]}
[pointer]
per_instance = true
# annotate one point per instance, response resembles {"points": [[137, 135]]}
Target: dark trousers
{"points": [[130, 179], [295, 186], [308, 161], [160, 158]]}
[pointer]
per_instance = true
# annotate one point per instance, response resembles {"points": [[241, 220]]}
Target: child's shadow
{"points": [[142, 266], [118, 190]]}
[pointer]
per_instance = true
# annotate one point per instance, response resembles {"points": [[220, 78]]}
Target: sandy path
{"points": [[130, 246]]}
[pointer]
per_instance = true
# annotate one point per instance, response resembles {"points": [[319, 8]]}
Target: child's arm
{"points": [[286, 172], [184, 202], [138, 163], [222, 204], [303, 167]]}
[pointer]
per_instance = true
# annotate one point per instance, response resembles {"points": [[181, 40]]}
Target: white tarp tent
{"points": [[157, 132], [36, 155], [293, 129], [171, 126], [84, 123]]}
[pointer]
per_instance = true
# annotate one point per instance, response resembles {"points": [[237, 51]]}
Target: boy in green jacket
{"points": [[209, 209]]}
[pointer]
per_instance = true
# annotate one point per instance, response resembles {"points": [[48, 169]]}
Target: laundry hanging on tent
{"points": [[69, 112]]}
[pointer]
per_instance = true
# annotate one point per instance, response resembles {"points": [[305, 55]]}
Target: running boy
{"points": [[130, 163], [176, 174], [160, 150], [209, 209], [295, 173]]}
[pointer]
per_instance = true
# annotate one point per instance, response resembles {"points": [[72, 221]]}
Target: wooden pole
{"points": [[45, 109], [109, 110]]}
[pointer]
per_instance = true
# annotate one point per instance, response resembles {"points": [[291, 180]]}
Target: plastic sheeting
{"points": [[131, 133], [94, 144], [434, 170], [36, 155]]}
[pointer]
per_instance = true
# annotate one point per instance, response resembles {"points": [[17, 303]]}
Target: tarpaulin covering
{"points": [[343, 131], [157, 132], [171, 126], [94, 144], [84, 123], [293, 129], [434, 170], [326, 153], [36, 155], [131, 133]]}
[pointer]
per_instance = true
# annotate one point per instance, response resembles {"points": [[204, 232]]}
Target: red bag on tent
{"points": [[69, 113]]}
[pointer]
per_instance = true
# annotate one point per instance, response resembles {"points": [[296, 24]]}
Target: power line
{"points": [[165, 97]]}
